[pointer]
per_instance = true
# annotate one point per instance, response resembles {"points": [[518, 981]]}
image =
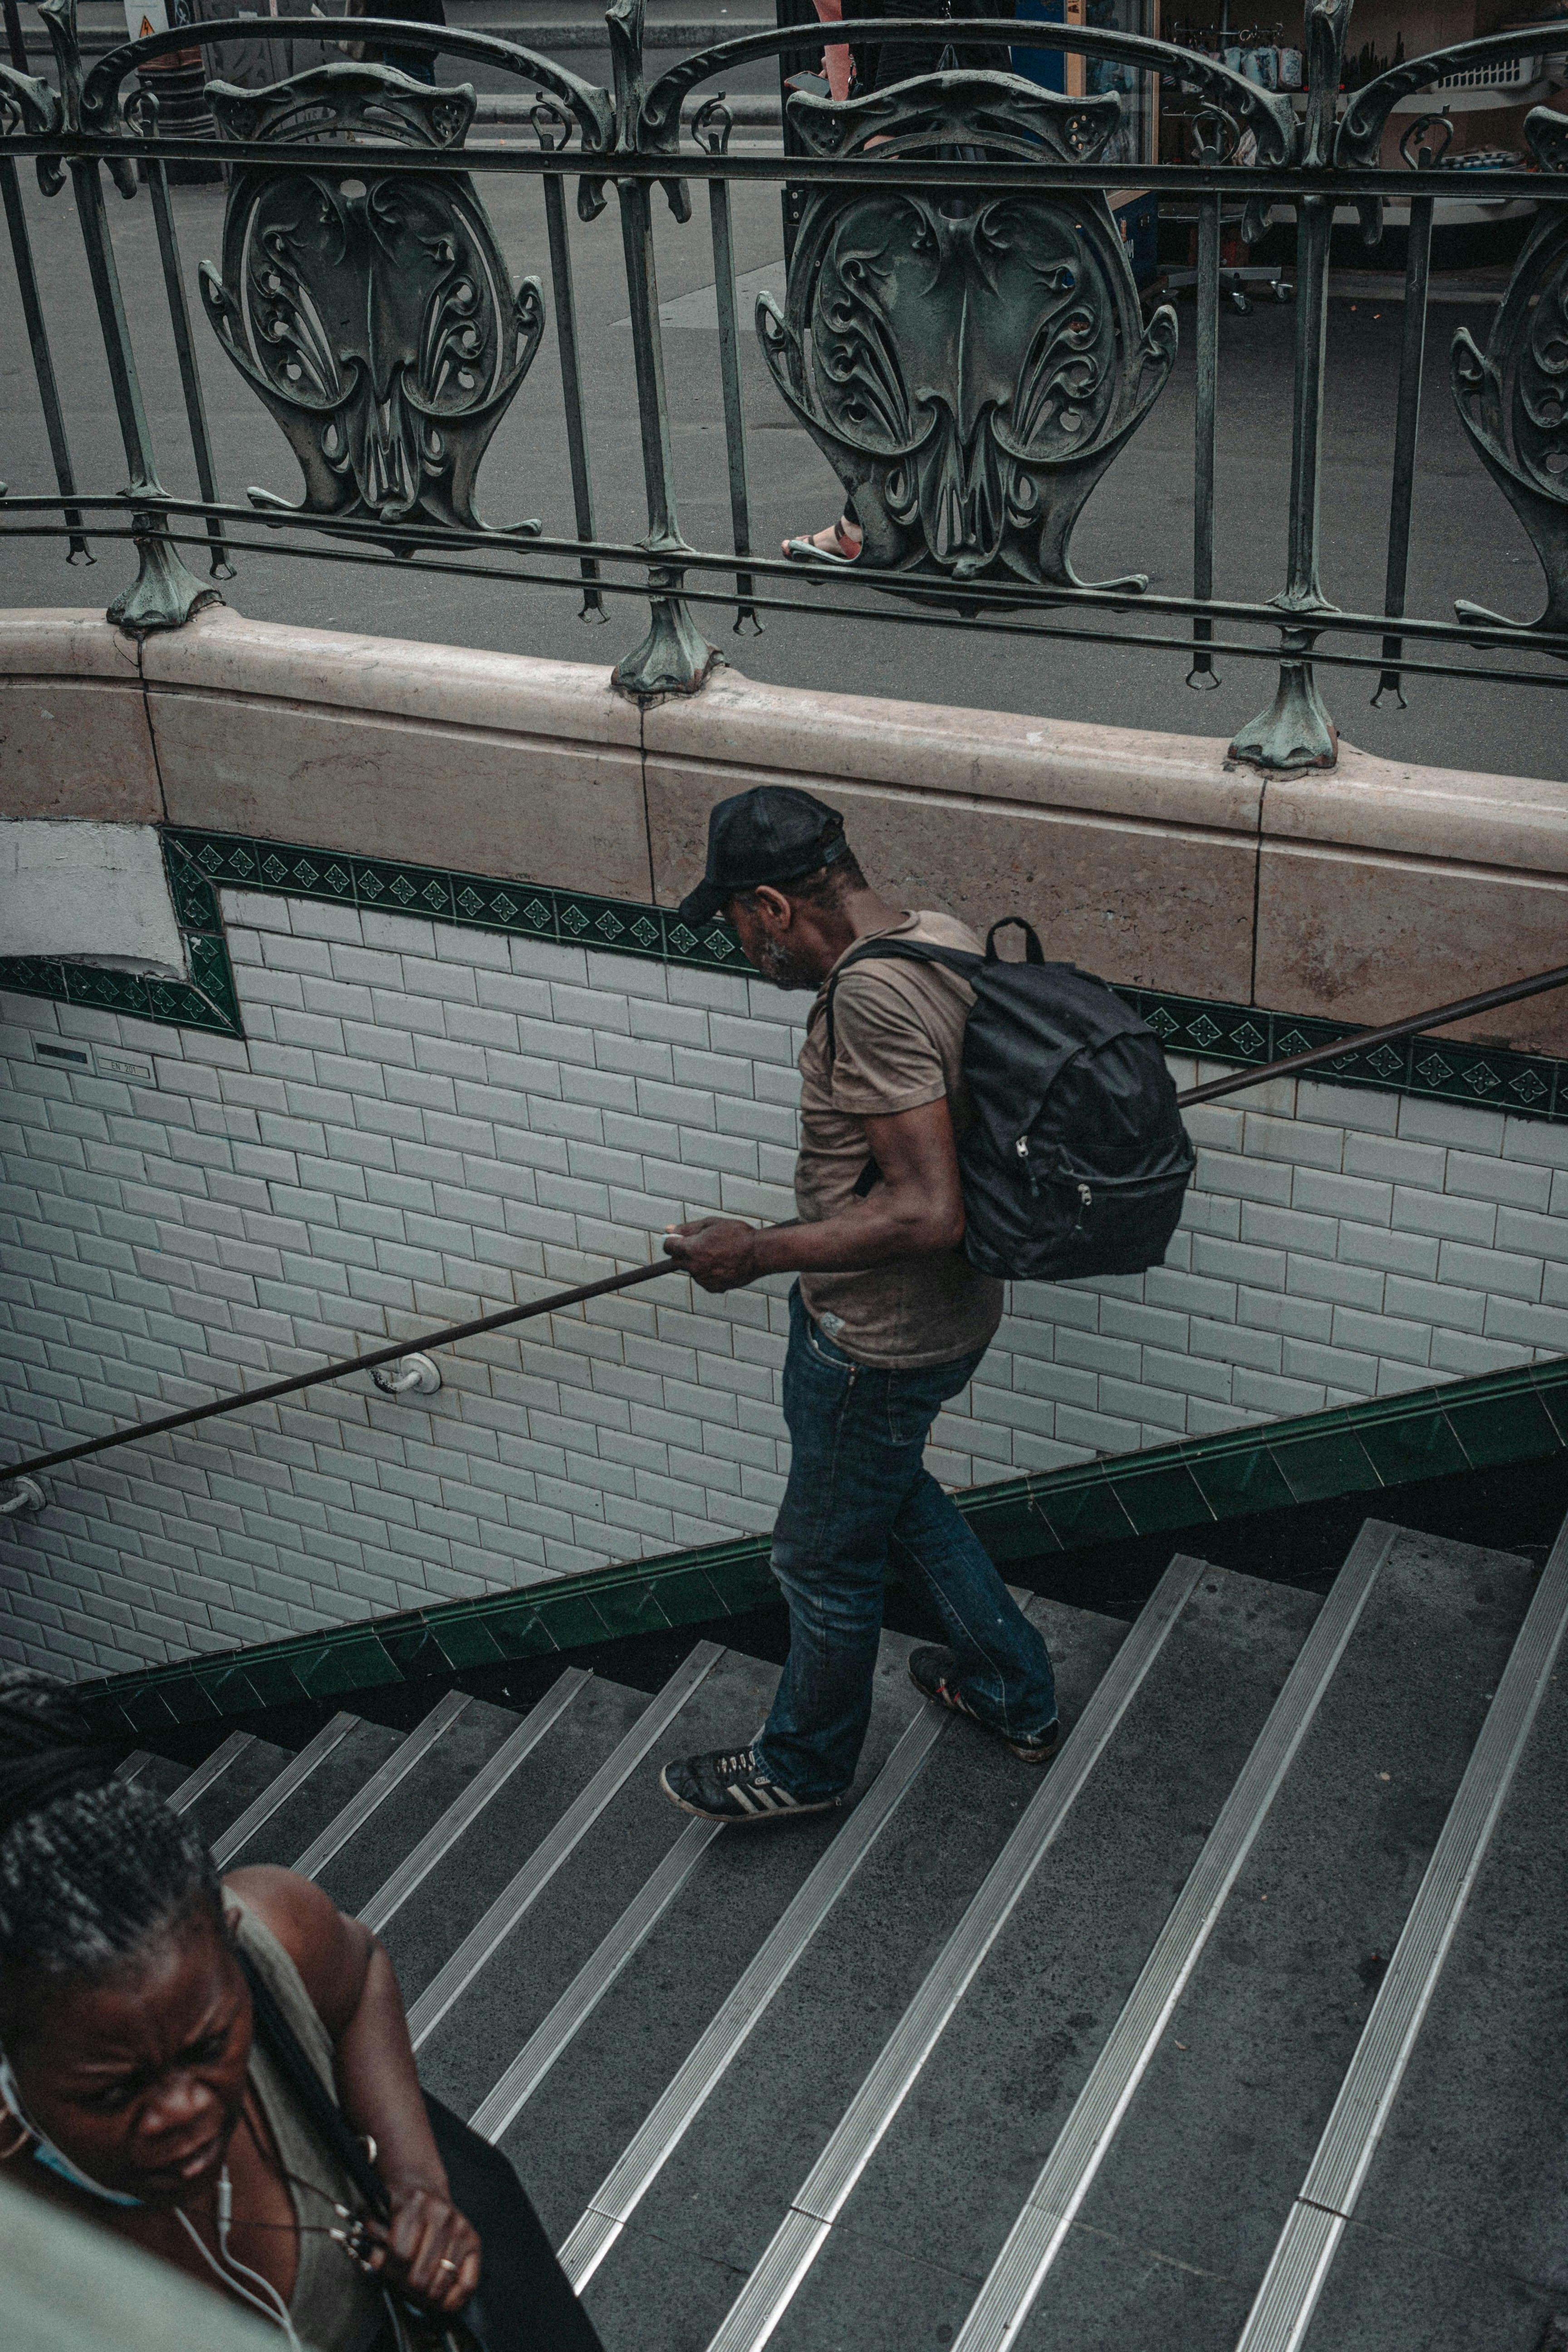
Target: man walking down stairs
{"points": [[888, 1322], [1240, 2030]]}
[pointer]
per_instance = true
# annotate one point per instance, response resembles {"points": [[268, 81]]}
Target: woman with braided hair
{"points": [[134, 2093]]}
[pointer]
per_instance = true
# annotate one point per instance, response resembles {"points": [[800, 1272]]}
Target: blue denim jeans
{"points": [[858, 1489]]}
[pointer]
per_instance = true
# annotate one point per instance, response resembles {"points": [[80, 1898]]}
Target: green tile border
{"points": [[1526, 1086], [207, 1001], [1502, 1417], [527, 910]]}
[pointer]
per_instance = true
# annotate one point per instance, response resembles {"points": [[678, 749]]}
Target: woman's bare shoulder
{"points": [[330, 1951]]}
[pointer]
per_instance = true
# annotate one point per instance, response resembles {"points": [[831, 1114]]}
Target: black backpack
{"points": [[1076, 1161]]}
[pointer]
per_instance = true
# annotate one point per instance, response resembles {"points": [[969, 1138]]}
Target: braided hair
{"points": [[92, 1870], [48, 1746]]}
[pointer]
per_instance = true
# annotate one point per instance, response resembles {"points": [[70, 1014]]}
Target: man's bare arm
{"points": [[916, 1210], [835, 60]]}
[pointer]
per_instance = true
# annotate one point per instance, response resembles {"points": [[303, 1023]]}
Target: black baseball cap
{"points": [[772, 834]]}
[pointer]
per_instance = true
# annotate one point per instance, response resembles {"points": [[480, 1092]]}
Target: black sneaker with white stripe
{"points": [[729, 1787], [933, 1671]]}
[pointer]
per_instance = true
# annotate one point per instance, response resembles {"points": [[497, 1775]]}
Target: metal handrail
{"points": [[390, 1355], [1437, 1016], [405, 540], [1464, 1009]]}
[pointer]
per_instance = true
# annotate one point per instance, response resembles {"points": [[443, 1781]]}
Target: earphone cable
{"points": [[232, 2271]]}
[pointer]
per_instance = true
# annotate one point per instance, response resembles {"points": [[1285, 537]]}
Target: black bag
{"points": [[522, 2303], [1076, 1161]]}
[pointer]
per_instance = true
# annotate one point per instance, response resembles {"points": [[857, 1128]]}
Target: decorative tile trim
{"points": [[207, 1001], [1526, 1086], [1520, 1416], [524, 911]]}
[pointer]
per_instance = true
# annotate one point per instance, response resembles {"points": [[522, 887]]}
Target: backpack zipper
{"points": [[1085, 1194]]}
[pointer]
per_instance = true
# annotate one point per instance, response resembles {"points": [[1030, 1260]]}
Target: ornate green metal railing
{"points": [[960, 334]]}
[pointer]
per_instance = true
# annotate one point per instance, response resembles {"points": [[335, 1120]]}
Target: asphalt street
{"points": [[1466, 541]]}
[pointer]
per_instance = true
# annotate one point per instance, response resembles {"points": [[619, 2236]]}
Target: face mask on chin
{"points": [[44, 2152]]}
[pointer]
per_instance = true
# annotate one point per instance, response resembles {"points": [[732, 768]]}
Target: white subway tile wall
{"points": [[426, 1123]]}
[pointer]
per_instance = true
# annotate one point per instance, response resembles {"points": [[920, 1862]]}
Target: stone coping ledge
{"points": [[1148, 857]]}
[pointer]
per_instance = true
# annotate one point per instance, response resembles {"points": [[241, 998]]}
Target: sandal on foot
{"points": [[844, 549]]}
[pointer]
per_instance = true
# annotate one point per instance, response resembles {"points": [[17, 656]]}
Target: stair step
{"points": [[643, 2028], [383, 1784], [158, 1774], [486, 1957], [604, 1967], [570, 1892], [1212, 2151], [578, 1736], [228, 1782], [710, 2213], [1446, 2152], [514, 1742], [386, 1821], [281, 1822]]}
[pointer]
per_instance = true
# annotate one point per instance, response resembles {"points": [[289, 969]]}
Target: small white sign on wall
{"points": [[145, 16], [117, 1061]]}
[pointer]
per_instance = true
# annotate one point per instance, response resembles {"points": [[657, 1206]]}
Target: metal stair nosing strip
{"points": [[465, 1807], [197, 1784], [795, 2244], [477, 1947], [1286, 2301], [1019, 2270], [682, 2100], [278, 1790], [501, 2106], [131, 1768], [381, 1784]]}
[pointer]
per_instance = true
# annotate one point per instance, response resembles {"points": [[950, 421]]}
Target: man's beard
{"points": [[780, 968]]}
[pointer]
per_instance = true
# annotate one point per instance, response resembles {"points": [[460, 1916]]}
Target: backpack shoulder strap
{"points": [[961, 961], [322, 2111]]}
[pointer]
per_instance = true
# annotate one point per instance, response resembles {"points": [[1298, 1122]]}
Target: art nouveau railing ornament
{"points": [[1268, 117], [968, 366], [957, 328], [1512, 397], [370, 313]]}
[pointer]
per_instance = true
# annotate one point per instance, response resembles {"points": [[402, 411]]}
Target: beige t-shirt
{"points": [[898, 1030]]}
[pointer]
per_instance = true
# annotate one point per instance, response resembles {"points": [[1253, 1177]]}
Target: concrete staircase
{"points": [[1243, 2027]]}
